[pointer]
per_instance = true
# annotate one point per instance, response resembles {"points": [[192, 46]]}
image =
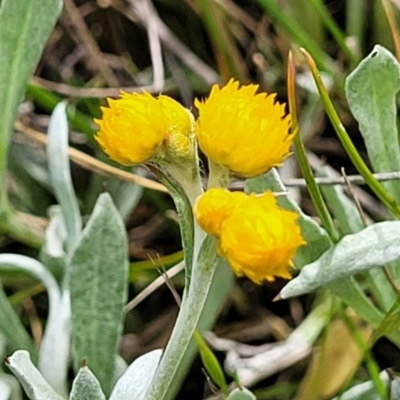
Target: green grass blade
{"points": [[229, 57], [296, 32], [24, 29], [305, 167], [344, 138], [48, 101], [12, 329], [334, 29]]}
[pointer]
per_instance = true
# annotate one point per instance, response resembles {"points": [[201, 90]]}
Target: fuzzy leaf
{"points": [[58, 160], [372, 247], [35, 386], [241, 394], [86, 386], [371, 93], [365, 390], [98, 284], [134, 383]]}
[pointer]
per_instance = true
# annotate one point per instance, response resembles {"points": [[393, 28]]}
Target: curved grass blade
{"points": [[59, 167]]}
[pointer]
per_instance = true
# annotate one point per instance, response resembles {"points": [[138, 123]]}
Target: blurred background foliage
{"points": [[181, 48]]}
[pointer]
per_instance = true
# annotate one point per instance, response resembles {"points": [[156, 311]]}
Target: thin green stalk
{"points": [[49, 100], [372, 365], [344, 138], [356, 19], [296, 32], [181, 341], [226, 49], [198, 278], [12, 226], [334, 29], [207, 282], [305, 13], [305, 167], [219, 176]]}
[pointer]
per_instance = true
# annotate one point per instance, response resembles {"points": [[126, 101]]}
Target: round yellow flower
{"points": [[214, 206], [246, 132], [134, 127], [256, 236]]}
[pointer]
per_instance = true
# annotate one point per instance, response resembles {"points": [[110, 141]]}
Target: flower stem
{"points": [[181, 346], [206, 286], [219, 176]]}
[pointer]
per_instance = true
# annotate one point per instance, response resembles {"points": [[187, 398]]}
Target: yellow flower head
{"points": [[213, 207], [246, 132], [134, 126], [257, 237]]}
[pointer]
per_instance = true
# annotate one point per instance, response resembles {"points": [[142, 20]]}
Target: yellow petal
{"points": [[256, 236], [259, 239], [243, 131], [214, 206], [131, 128], [135, 126]]}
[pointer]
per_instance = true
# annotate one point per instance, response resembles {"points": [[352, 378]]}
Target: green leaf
{"points": [[58, 161], [5, 390], [365, 390], [86, 386], [10, 389], [390, 322], [343, 208], [316, 237], [57, 309], [294, 29], [52, 253], [241, 394], [352, 294], [53, 354], [371, 93], [210, 362], [134, 383], [395, 389], [347, 289], [24, 29], [32, 381], [98, 284], [34, 268], [372, 247], [349, 221], [12, 329]]}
